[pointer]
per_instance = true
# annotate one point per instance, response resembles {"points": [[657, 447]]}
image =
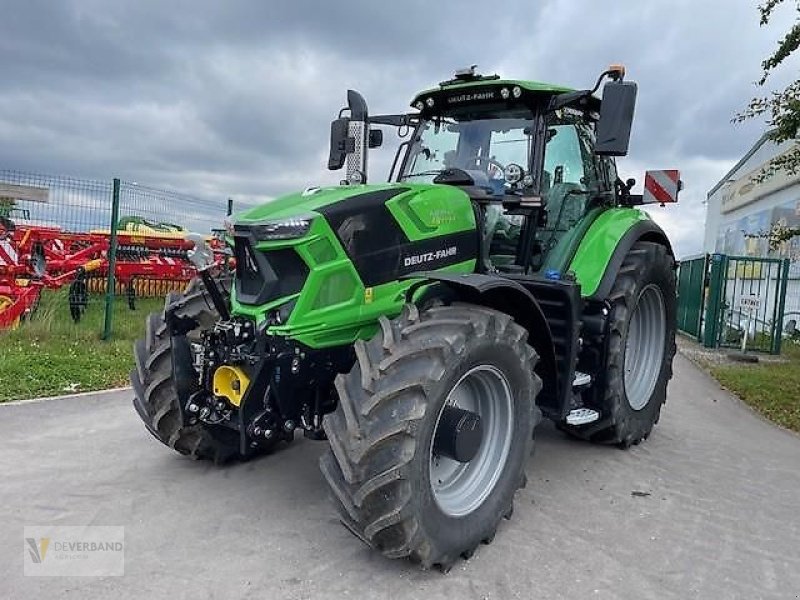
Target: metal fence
{"points": [[791, 315], [44, 220], [691, 295], [93, 245], [735, 301], [149, 235], [750, 298]]}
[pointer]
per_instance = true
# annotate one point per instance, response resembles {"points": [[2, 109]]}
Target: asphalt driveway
{"points": [[709, 507]]}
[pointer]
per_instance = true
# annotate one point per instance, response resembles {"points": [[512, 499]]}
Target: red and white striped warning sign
{"points": [[661, 187], [8, 254]]}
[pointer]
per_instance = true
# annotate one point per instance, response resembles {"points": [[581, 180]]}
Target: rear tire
{"points": [[381, 458], [641, 348], [156, 400]]}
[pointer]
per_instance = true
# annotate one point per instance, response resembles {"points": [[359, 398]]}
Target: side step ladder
{"points": [[582, 416]]}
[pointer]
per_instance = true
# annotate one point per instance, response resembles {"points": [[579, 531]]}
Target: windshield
{"points": [[482, 147]]}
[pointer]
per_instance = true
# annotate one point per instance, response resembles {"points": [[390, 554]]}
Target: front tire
{"points": [[156, 399], [381, 466]]}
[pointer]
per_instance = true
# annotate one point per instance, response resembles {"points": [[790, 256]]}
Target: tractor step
{"points": [[581, 379], [582, 416]]}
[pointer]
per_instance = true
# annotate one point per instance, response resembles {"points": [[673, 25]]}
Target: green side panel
{"points": [[358, 317], [598, 245], [427, 211]]}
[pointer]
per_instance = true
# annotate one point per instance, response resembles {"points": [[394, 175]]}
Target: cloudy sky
{"points": [[234, 98]]}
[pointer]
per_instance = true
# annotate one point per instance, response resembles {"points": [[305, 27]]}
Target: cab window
{"points": [[570, 173]]}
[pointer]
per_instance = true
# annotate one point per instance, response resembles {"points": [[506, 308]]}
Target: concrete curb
{"points": [[65, 396]]}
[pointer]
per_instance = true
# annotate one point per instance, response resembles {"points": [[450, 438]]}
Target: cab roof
{"points": [[531, 86], [469, 92]]}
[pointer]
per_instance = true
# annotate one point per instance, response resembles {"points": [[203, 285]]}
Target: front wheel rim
{"points": [[461, 488], [644, 347]]}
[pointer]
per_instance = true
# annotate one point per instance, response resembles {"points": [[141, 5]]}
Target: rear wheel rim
{"points": [[461, 488], [644, 347]]}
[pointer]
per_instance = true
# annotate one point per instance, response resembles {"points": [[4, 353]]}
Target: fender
{"points": [[605, 245], [509, 297]]}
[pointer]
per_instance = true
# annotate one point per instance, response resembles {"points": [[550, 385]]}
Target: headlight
{"points": [[283, 229]]}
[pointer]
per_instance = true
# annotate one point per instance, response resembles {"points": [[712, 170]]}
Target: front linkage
{"points": [[239, 377]]}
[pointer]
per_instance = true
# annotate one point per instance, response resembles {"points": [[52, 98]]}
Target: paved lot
{"points": [[716, 514]]}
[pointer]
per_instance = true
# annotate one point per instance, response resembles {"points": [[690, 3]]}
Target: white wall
{"points": [[755, 201], [776, 199]]}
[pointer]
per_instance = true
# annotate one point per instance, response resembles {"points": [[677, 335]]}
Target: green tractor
{"points": [[425, 326]]}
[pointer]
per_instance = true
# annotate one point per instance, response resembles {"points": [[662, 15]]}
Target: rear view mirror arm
{"points": [[394, 120], [563, 100]]}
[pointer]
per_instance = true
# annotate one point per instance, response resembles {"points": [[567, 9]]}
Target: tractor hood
{"points": [[417, 210], [309, 201], [339, 255]]}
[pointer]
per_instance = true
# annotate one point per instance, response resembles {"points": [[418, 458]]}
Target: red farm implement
{"points": [[36, 257]]}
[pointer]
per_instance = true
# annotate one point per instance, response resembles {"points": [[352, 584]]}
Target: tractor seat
{"points": [[564, 208]]}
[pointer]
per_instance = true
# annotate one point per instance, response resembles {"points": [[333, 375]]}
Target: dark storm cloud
{"points": [[234, 98]]}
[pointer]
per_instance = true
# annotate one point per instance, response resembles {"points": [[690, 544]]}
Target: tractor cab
{"points": [[526, 153], [495, 158]]}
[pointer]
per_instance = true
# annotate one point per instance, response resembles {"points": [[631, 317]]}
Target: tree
{"points": [[782, 108]]}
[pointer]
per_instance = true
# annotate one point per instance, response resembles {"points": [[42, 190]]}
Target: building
{"points": [[741, 211]]}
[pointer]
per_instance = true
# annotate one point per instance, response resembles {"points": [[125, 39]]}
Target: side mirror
{"points": [[350, 137], [616, 118], [375, 138], [339, 143]]}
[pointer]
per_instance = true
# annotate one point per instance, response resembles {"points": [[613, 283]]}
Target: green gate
{"points": [[745, 304], [691, 294]]}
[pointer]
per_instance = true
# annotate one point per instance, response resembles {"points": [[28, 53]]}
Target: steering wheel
{"points": [[488, 161]]}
